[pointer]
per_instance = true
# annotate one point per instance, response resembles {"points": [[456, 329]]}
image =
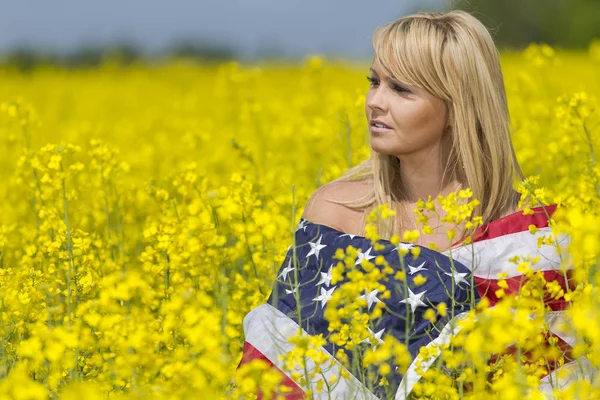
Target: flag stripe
{"points": [[451, 329], [561, 327], [411, 377], [488, 258], [552, 363], [488, 287], [513, 223], [579, 369], [251, 353], [268, 330]]}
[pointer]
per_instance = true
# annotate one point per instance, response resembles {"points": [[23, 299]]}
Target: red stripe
{"points": [[561, 347], [512, 223], [487, 287], [252, 353]]}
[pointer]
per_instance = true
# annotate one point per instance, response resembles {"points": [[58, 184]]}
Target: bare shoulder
{"points": [[322, 209]]}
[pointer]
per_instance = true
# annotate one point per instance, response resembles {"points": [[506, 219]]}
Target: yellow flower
{"points": [[442, 309], [129, 261], [430, 315], [450, 233], [400, 275], [433, 246], [533, 229], [415, 251], [419, 280], [411, 236]]}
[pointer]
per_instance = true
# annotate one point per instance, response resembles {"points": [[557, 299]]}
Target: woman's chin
{"points": [[379, 146]]}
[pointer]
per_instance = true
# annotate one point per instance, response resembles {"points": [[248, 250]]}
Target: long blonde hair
{"points": [[453, 57]]}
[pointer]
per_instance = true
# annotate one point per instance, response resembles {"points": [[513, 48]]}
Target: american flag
{"points": [[449, 277]]}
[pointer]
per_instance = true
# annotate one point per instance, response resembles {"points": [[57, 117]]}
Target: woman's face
{"points": [[414, 118]]}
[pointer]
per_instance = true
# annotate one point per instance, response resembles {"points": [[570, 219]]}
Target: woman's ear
{"points": [[449, 119], [448, 128]]}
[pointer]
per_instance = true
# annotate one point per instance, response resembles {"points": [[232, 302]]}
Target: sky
{"points": [[249, 27]]}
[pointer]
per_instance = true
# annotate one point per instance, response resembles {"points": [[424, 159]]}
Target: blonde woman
{"points": [[438, 123], [436, 87]]}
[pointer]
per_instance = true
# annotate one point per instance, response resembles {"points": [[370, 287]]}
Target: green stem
{"points": [[592, 153], [69, 245], [107, 212]]}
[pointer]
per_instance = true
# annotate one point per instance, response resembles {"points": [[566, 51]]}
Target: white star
{"points": [[458, 277], [348, 234], [404, 246], [326, 277], [287, 291], [413, 270], [286, 271], [364, 256], [315, 248], [376, 335], [302, 224], [371, 298], [325, 296], [414, 300]]}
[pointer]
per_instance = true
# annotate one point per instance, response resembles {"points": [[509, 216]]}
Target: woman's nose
{"points": [[376, 99]]}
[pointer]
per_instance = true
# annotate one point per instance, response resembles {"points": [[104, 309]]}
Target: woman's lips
{"points": [[377, 129]]}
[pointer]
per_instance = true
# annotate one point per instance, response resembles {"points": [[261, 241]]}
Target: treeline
{"points": [[123, 53], [516, 23]]}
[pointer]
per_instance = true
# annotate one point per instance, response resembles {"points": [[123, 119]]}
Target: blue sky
{"points": [[340, 27]]}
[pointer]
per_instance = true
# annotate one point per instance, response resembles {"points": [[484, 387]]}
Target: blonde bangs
{"points": [[411, 51]]}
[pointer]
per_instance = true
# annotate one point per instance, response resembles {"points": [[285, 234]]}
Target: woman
{"points": [[437, 88], [438, 122]]}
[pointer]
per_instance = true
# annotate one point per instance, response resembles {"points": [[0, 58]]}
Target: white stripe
{"points": [[580, 369], [577, 370], [560, 326], [488, 258], [268, 330], [412, 377]]}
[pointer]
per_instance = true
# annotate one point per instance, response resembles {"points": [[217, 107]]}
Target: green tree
{"points": [[516, 23]]}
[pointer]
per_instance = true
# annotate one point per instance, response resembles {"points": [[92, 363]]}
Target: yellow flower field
{"points": [[145, 210]]}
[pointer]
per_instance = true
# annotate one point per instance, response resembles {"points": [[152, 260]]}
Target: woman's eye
{"points": [[372, 81], [399, 88]]}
